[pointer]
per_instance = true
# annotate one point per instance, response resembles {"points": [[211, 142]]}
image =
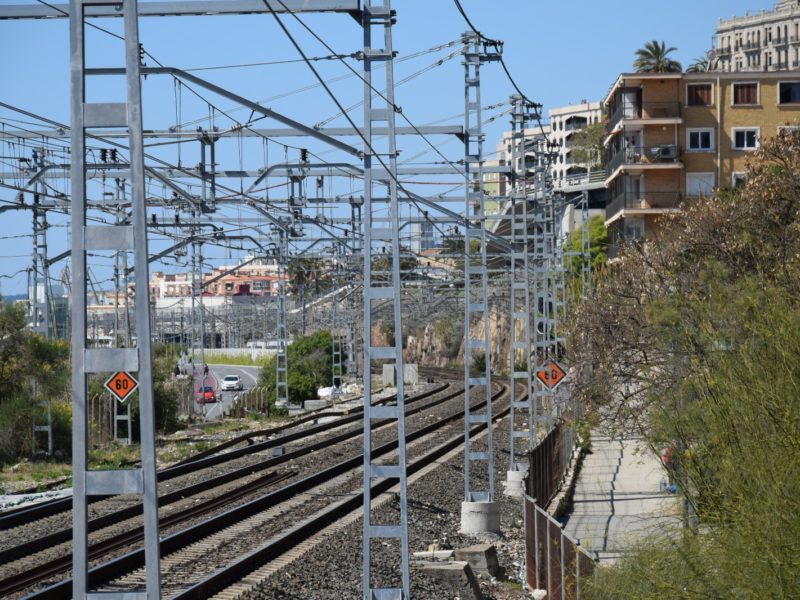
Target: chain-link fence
{"points": [[254, 400], [554, 562]]}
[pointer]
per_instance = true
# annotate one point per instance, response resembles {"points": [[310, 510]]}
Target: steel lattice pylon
{"points": [[522, 421], [92, 238], [380, 231], [281, 355], [40, 304], [478, 512]]}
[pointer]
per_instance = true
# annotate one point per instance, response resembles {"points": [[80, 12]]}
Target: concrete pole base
{"points": [[480, 517], [515, 483]]}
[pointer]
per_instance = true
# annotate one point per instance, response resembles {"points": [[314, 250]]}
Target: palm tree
{"points": [[653, 58], [703, 64]]}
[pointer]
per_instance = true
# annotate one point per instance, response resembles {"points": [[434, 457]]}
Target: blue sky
{"points": [[559, 52]]}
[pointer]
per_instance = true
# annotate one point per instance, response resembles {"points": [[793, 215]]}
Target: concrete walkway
{"points": [[617, 499]]}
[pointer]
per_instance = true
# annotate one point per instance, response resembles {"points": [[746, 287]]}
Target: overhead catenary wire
{"points": [[499, 45]]}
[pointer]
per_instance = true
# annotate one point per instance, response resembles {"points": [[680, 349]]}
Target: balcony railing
{"points": [[657, 200], [643, 155], [645, 110], [579, 179], [575, 125]]}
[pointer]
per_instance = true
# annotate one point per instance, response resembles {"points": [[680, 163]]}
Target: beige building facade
{"points": [[673, 137], [765, 41]]}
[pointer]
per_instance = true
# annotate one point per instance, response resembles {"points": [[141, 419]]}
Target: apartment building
{"points": [[565, 122], [765, 41], [676, 136]]}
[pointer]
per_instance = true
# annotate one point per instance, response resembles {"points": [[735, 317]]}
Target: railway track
{"points": [[210, 458], [190, 539], [25, 580]]}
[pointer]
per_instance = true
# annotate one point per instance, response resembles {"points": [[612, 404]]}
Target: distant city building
{"points": [[673, 137], [251, 280], [765, 41], [567, 175]]}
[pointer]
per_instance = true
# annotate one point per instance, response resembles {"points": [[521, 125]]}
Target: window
{"points": [[745, 138], [738, 180], [634, 229], [698, 94], [745, 93], [700, 140], [699, 184], [789, 92]]}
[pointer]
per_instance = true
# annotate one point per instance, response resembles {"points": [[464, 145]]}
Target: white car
{"points": [[232, 382]]}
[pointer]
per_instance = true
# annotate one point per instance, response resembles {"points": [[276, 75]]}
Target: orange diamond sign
{"points": [[121, 385], [552, 375]]}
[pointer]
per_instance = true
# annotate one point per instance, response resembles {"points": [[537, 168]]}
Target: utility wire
{"points": [[336, 101], [498, 44]]}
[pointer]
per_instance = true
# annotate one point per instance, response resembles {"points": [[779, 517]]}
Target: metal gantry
{"points": [[336, 333], [479, 510], [85, 360], [381, 230], [40, 307], [282, 343], [522, 421], [547, 275], [586, 247]]}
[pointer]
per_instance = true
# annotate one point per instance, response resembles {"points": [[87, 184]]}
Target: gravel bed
{"points": [[226, 553], [333, 569]]}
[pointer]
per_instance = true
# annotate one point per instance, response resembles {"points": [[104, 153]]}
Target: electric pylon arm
{"points": [[254, 106]]}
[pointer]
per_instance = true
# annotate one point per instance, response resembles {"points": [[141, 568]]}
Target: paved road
{"points": [[617, 498], [216, 373]]}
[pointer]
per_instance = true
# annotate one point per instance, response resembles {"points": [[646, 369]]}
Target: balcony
{"points": [[724, 51], [659, 156], [644, 111], [642, 204]]}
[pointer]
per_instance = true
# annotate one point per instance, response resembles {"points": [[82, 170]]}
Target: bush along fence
{"points": [[255, 400], [554, 562]]}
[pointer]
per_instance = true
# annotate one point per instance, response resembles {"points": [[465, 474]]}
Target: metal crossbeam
{"points": [[238, 132], [179, 8]]}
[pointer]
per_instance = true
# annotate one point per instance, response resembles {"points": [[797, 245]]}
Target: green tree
{"points": [[598, 248], [694, 343], [654, 58], [23, 356], [587, 145], [310, 363]]}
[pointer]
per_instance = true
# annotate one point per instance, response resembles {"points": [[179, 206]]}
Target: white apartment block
{"points": [[765, 41], [564, 123]]}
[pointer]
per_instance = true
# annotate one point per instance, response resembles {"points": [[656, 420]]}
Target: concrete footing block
{"points": [[315, 404], [515, 483], [457, 579], [482, 558], [480, 517]]}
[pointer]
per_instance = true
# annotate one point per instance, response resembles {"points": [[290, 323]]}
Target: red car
{"points": [[206, 394]]}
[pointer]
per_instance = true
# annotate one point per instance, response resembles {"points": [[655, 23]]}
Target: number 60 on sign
{"points": [[121, 385]]}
